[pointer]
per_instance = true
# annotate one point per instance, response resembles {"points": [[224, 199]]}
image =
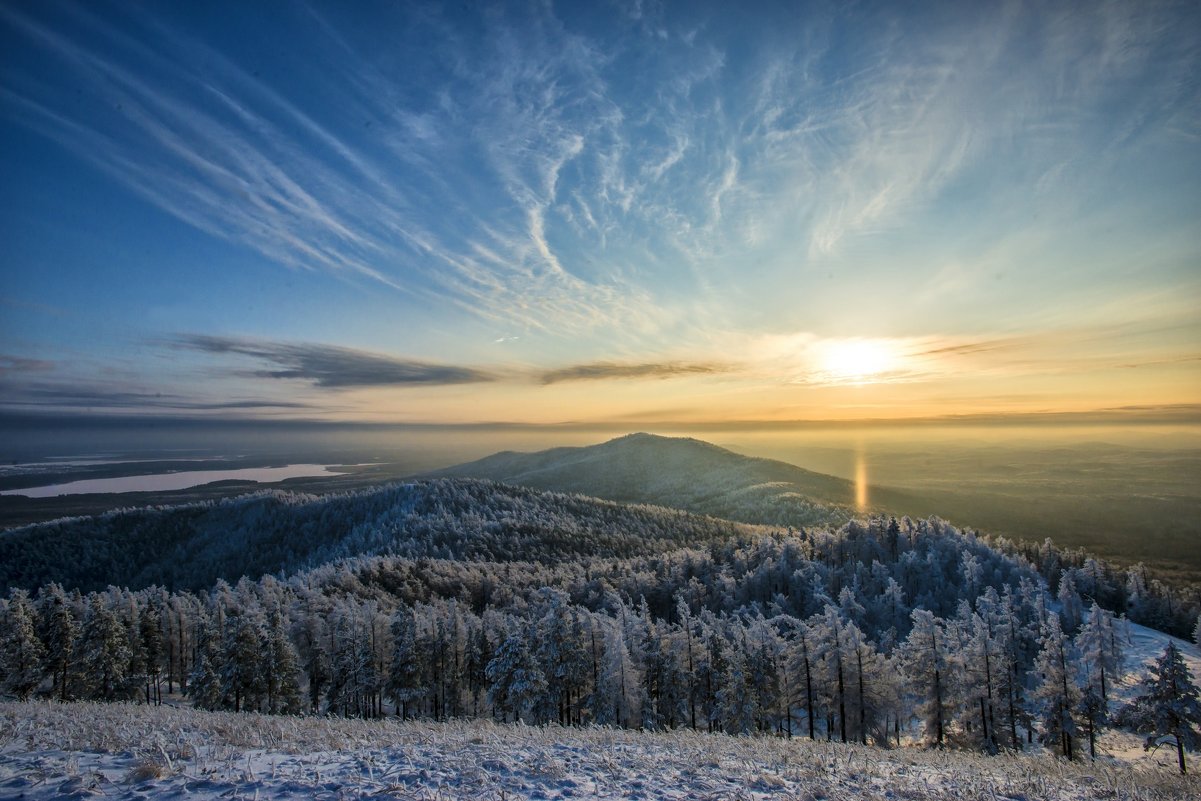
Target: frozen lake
{"points": [[175, 481]]}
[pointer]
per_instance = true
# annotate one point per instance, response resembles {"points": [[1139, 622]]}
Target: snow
{"points": [[133, 752], [1144, 647]]}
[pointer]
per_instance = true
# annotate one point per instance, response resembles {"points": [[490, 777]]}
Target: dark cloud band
{"points": [[335, 367]]}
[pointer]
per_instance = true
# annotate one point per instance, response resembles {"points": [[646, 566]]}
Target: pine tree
{"points": [[865, 667], [1057, 695], [1101, 659], [689, 655], [105, 652], [1093, 710], [926, 663], [735, 696], [60, 634], [281, 670], [803, 659], [833, 658], [404, 678], [1168, 704], [616, 699], [21, 652], [204, 684], [1071, 610], [517, 683], [1016, 643], [352, 679], [1197, 631], [982, 661], [151, 634], [242, 662], [562, 657], [1101, 648]]}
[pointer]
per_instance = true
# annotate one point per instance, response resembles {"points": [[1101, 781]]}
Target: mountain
{"points": [[685, 473]]}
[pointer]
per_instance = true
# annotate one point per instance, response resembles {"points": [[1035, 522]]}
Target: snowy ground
{"points": [[135, 752], [1145, 646]]}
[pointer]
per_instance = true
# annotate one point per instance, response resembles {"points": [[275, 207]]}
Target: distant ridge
{"points": [[682, 473]]}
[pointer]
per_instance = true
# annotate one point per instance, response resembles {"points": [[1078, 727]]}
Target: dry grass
{"points": [[483, 760]]}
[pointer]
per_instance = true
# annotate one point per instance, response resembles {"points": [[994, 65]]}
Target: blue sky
{"points": [[538, 212]]}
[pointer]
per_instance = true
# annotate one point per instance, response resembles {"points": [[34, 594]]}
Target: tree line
{"points": [[881, 631]]}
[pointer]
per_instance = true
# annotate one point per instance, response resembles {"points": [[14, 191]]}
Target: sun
{"points": [[856, 361]]}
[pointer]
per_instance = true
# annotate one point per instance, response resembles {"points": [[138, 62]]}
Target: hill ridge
{"points": [[685, 473]]}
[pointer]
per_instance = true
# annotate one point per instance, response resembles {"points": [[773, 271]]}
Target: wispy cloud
{"points": [[226, 152], [20, 365], [598, 371], [333, 367]]}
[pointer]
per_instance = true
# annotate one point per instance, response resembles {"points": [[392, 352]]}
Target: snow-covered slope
{"points": [[1144, 647], [128, 752]]}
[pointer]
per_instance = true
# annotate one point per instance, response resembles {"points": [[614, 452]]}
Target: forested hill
{"points": [[684, 474], [452, 597], [192, 546]]}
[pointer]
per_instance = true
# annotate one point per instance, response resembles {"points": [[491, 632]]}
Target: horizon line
{"points": [[1172, 414]]}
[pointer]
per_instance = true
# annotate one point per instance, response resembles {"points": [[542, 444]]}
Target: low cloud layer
{"points": [[71, 395], [598, 371], [333, 367]]}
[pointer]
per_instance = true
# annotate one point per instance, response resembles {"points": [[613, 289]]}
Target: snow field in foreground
{"points": [[132, 752]]}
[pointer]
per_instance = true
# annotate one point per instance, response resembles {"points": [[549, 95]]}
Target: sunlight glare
{"points": [[857, 361]]}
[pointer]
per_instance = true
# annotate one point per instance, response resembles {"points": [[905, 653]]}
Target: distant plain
{"points": [[1129, 494]]}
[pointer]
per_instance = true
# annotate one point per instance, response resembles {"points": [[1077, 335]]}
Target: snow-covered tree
{"points": [[105, 652], [1016, 645], [735, 694], [404, 683], [352, 676], [982, 660], [563, 658], [21, 652], [1056, 694], [241, 658], [1071, 610], [60, 633], [205, 680], [281, 671], [1102, 649], [1093, 711], [926, 663], [687, 656], [150, 634], [518, 685], [617, 699], [1167, 704]]}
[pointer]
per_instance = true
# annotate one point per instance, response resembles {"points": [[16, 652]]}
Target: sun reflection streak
{"points": [[860, 480]]}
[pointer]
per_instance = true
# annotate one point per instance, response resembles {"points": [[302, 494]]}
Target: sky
{"points": [[543, 213]]}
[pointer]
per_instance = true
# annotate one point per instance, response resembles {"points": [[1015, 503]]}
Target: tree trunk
{"points": [[862, 704], [808, 693]]}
